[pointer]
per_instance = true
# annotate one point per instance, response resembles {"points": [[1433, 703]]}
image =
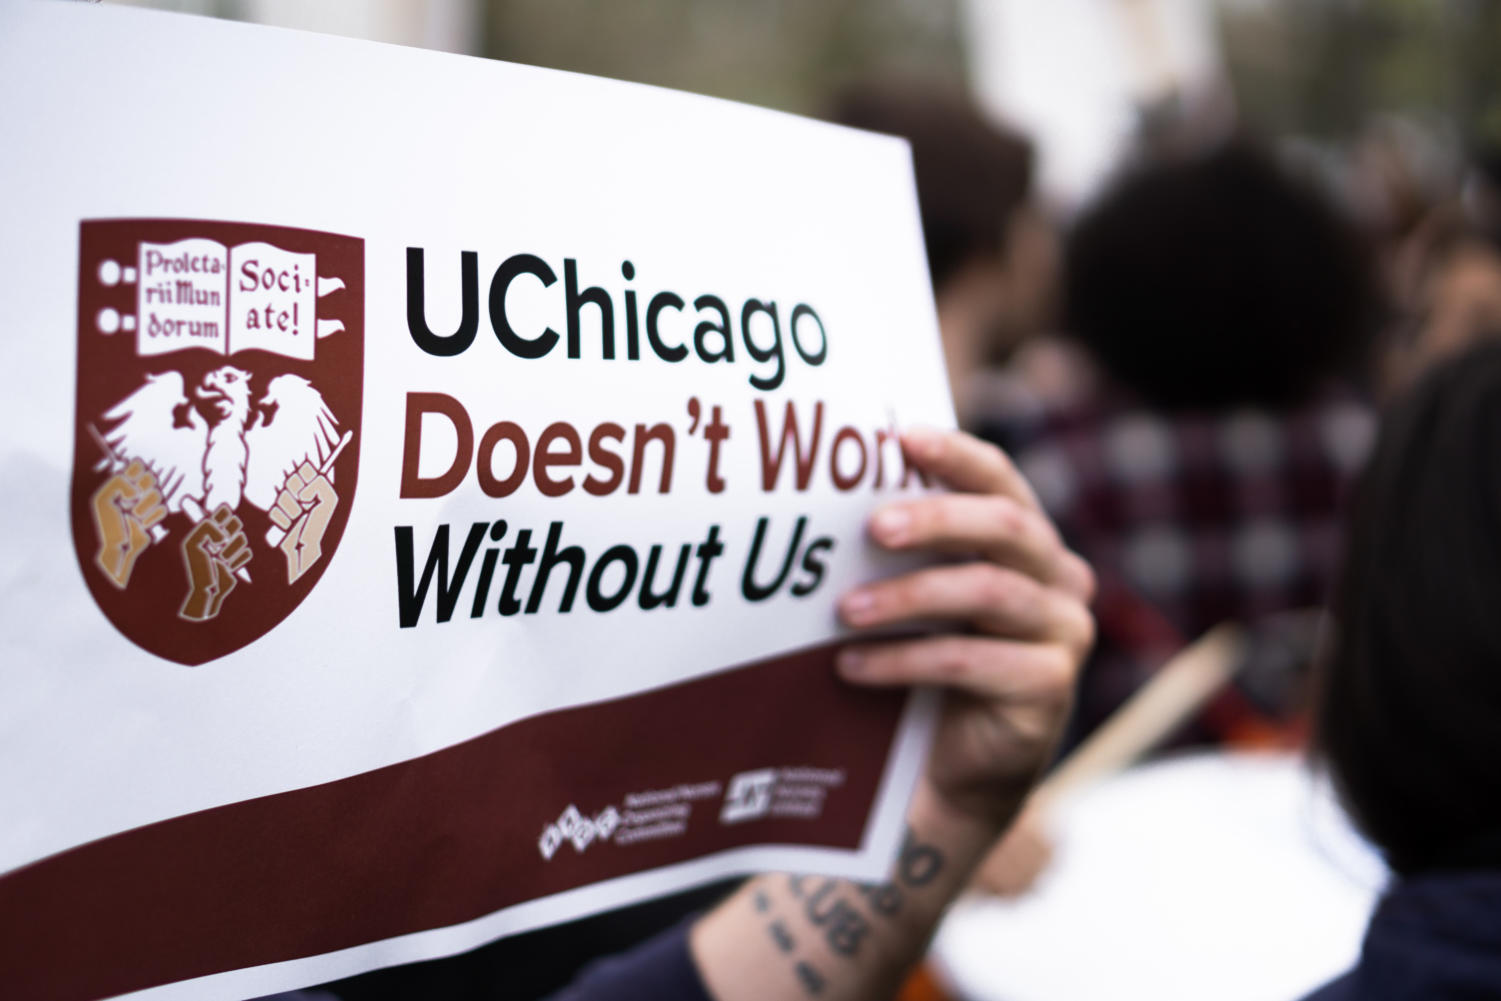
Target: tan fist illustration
{"points": [[213, 551], [125, 508], [302, 510]]}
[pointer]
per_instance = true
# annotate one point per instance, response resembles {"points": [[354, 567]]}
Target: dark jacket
{"points": [[1433, 938], [660, 970]]}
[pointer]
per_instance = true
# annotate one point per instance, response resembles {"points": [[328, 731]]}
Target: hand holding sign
{"points": [[1024, 599]]}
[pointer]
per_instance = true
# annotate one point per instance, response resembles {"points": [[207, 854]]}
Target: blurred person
{"points": [[1399, 170], [1227, 309], [1448, 278], [1408, 722], [992, 252], [1453, 299]]}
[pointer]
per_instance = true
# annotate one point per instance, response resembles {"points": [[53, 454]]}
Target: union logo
{"points": [[216, 443]]}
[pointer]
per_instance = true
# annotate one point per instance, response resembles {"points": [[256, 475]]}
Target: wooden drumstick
{"points": [[1185, 683]]}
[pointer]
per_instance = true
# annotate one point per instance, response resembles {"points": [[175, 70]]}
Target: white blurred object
{"points": [[1074, 73], [445, 25], [1234, 877]]}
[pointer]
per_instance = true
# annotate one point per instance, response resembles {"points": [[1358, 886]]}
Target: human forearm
{"points": [[798, 937]]}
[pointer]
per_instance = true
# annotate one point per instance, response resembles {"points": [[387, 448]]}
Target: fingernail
{"points": [[923, 441], [858, 606], [891, 525], [851, 663]]}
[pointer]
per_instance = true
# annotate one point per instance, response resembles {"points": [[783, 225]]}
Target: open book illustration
{"points": [[198, 293]]}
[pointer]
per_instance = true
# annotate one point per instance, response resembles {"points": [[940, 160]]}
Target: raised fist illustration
{"points": [[126, 508], [213, 551], [302, 510]]}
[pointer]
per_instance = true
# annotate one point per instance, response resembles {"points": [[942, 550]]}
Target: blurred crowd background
{"points": [[1339, 79], [1183, 252]]}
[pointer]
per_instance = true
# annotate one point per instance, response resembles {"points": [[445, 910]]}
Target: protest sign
{"points": [[428, 483]]}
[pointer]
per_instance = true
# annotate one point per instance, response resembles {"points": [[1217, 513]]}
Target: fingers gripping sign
{"points": [[1017, 602], [213, 551], [126, 508], [302, 511]]}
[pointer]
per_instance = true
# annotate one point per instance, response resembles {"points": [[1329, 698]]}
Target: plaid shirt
{"points": [[1191, 520]]}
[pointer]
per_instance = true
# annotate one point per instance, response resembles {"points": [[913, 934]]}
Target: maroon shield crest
{"points": [[220, 370]]}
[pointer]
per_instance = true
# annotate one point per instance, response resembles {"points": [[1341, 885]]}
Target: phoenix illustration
{"points": [[244, 450]]}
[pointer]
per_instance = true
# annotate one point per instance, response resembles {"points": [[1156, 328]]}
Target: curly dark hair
{"points": [[1219, 280]]}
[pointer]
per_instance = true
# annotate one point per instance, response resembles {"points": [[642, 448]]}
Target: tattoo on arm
{"points": [[807, 975], [884, 898], [843, 914], [781, 936], [844, 926], [918, 864]]}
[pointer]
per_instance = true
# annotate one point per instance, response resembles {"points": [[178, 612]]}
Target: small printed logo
{"points": [[748, 796], [578, 830], [217, 425]]}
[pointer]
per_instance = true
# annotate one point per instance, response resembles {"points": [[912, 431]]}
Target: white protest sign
{"points": [[428, 484]]}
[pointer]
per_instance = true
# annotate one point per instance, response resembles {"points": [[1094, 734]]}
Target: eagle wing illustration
{"points": [[157, 425], [294, 426]]}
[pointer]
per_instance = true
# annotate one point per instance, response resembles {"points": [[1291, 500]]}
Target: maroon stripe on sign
{"points": [[437, 840]]}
